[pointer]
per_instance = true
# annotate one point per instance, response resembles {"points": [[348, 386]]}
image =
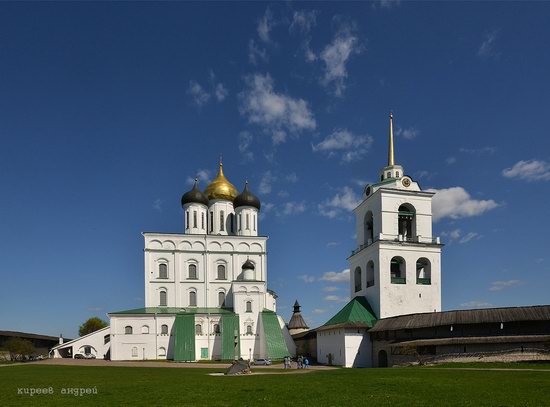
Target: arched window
{"points": [[164, 329], [249, 306], [357, 279], [221, 272], [249, 330], [211, 221], [145, 329], [247, 221], [134, 352], [195, 219], [163, 270], [192, 298], [254, 223], [216, 328], [162, 299], [397, 271], [423, 271], [106, 339], [407, 222], [192, 271], [221, 299], [231, 217], [240, 222], [370, 273], [186, 219], [369, 229], [202, 220], [128, 330], [162, 351], [222, 221], [198, 329]]}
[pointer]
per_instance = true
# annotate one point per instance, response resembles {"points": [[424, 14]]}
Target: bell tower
{"points": [[397, 262]]}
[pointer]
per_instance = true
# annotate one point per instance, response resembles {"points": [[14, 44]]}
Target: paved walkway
{"points": [[168, 364]]}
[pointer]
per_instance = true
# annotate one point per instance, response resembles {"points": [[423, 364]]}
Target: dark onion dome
{"points": [[194, 196], [248, 265], [246, 198]]}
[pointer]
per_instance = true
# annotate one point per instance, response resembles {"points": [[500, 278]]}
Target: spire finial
{"points": [[391, 160]]}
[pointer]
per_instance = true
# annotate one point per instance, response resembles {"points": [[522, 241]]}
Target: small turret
{"points": [[297, 323]]}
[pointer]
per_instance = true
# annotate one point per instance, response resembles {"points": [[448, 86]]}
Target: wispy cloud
{"points": [[487, 48], [245, 140], [197, 92], [331, 289], [479, 151], [204, 177], [408, 133], [386, 4], [306, 278], [303, 21], [266, 182], [318, 311], [456, 203], [278, 114], [265, 24], [502, 284], [157, 204], [335, 57], [333, 244], [456, 235], [344, 201], [344, 144], [469, 236], [530, 170], [450, 160], [256, 54], [292, 178], [476, 304], [336, 298], [336, 277], [292, 208], [95, 309]]}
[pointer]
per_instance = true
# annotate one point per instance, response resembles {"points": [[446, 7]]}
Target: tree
{"points": [[91, 325], [19, 348]]}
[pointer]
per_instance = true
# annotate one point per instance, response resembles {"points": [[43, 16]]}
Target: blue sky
{"points": [[108, 110]]}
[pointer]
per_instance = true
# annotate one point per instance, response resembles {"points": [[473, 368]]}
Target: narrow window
{"points": [[388, 175], [162, 301], [247, 221], [254, 223], [192, 272], [164, 330], [106, 339], [186, 219], [202, 220], [222, 221], [221, 272], [216, 328], [192, 299], [163, 270], [249, 329], [194, 219], [162, 351], [231, 218], [249, 306], [240, 222], [211, 221], [221, 299], [198, 329], [397, 174], [357, 279], [134, 352], [128, 330]]}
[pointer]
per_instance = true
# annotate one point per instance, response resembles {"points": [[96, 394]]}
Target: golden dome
{"points": [[221, 188]]}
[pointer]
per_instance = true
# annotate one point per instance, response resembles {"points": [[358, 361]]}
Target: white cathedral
{"points": [[206, 295]]}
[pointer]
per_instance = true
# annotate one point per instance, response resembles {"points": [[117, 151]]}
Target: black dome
{"points": [[246, 198], [248, 265], [194, 196]]}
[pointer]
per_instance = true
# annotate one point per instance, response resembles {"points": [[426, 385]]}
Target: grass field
{"points": [[341, 387]]}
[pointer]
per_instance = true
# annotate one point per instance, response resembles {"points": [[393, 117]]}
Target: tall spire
{"points": [[391, 160]]}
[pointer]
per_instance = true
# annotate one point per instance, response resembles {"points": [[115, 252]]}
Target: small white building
{"points": [[395, 269], [206, 294]]}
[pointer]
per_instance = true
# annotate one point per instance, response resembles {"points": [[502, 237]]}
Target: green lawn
{"points": [[496, 365], [341, 387]]}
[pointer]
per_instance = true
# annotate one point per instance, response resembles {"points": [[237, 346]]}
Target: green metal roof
{"points": [[174, 310], [357, 310]]}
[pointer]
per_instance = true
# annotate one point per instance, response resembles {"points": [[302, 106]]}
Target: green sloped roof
{"points": [[356, 311], [174, 310]]}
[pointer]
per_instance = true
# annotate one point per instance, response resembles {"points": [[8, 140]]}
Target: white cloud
{"points": [[335, 57], [476, 304], [157, 204], [487, 47], [283, 194], [531, 170], [204, 177], [276, 112], [333, 244], [292, 177], [452, 234], [408, 133], [303, 21], [331, 289], [344, 201], [345, 144], [470, 236], [319, 311], [479, 151], [336, 298], [256, 54], [265, 24], [221, 92], [265, 183], [450, 160], [456, 203], [95, 309], [387, 4], [245, 139], [502, 284], [336, 277], [199, 95], [292, 208], [423, 174], [307, 278], [267, 207]]}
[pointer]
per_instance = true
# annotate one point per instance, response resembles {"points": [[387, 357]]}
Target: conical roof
{"points": [[297, 321], [356, 312]]}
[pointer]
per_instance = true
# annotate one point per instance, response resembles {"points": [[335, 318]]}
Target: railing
{"points": [[397, 238], [398, 280], [424, 281]]}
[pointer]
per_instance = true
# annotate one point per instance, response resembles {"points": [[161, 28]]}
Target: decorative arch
{"points": [[168, 245], [162, 351], [227, 246], [155, 244], [221, 270], [398, 270], [423, 271], [256, 247], [244, 247], [145, 329], [407, 221]]}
